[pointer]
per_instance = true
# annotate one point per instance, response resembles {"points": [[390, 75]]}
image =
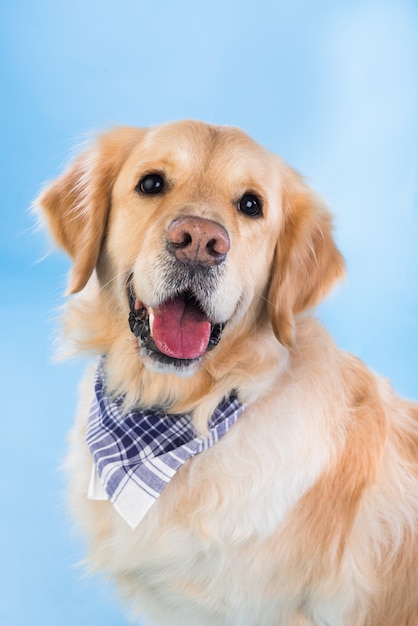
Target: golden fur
{"points": [[306, 512]]}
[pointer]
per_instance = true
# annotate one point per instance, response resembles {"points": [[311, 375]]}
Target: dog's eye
{"points": [[250, 205], [151, 183]]}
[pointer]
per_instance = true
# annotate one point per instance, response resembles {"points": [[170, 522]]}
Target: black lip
{"points": [[138, 318], [139, 325]]}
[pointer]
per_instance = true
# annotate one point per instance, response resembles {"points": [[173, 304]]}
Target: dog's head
{"points": [[196, 233]]}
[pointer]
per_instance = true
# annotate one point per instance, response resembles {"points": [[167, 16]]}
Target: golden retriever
{"points": [[196, 255]]}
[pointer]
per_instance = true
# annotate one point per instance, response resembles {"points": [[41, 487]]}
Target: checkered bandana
{"points": [[136, 453]]}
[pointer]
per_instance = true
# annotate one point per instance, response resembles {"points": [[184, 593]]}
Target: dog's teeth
{"points": [[137, 304], [151, 318]]}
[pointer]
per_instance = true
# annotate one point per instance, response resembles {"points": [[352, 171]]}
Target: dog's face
{"points": [[196, 233]]}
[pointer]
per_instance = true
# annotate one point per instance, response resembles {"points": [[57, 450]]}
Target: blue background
{"points": [[331, 86]]}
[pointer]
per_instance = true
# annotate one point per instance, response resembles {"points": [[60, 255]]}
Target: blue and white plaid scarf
{"points": [[136, 453]]}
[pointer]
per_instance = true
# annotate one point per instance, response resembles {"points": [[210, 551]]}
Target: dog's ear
{"points": [[76, 204], [307, 262]]}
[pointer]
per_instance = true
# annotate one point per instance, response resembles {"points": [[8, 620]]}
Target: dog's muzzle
{"points": [[180, 330]]}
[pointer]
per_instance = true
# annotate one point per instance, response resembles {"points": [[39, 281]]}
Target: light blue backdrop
{"points": [[331, 86]]}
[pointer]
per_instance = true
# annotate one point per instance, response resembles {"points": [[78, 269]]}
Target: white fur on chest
{"points": [[211, 520]]}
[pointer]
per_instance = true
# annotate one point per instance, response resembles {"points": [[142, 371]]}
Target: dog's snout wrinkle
{"points": [[197, 241]]}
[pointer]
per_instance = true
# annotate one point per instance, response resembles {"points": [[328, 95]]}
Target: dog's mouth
{"points": [[178, 331]]}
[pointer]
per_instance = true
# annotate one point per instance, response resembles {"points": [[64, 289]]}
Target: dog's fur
{"points": [[306, 512]]}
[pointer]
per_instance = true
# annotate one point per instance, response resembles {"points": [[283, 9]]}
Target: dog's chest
{"points": [[176, 571], [211, 546]]}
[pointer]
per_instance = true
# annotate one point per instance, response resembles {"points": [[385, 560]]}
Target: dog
{"points": [[288, 481]]}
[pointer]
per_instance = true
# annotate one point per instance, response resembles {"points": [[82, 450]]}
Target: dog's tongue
{"points": [[180, 330]]}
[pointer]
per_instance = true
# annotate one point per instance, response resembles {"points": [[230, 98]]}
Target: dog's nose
{"points": [[197, 241]]}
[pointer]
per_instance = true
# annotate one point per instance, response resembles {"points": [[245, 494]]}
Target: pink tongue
{"points": [[180, 330]]}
